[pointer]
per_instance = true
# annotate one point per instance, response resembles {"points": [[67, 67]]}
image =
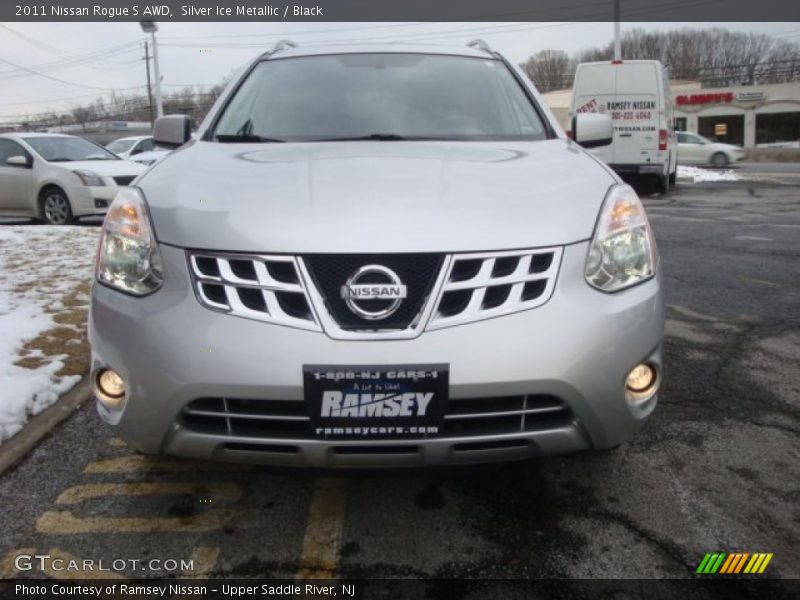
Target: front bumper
{"points": [[87, 200], [578, 347]]}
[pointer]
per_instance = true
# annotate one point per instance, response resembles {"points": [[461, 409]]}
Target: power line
{"points": [[88, 87], [76, 60]]}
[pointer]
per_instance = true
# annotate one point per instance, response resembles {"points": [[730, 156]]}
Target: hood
{"points": [[353, 197], [106, 168]]}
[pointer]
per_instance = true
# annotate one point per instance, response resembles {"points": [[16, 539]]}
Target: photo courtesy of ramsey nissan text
{"points": [[354, 299]]}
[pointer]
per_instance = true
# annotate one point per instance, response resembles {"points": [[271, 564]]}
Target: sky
{"points": [[76, 62]]}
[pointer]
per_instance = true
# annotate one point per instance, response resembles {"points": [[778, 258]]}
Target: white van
{"points": [[635, 93]]}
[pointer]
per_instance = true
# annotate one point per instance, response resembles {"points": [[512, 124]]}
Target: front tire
{"points": [[56, 209], [719, 160]]}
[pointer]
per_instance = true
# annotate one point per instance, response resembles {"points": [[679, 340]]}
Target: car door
{"points": [[689, 149], [16, 182]]}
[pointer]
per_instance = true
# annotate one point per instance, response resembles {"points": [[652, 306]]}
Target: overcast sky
{"points": [[90, 59]]}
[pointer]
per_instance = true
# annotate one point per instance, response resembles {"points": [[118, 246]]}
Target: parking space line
{"points": [[323, 536], [73, 573], [127, 464], [7, 567], [64, 522], [209, 491]]}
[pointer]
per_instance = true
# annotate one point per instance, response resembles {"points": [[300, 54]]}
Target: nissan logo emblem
{"points": [[374, 292]]}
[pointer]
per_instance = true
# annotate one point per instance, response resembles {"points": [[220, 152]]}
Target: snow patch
{"points": [[700, 175], [39, 266]]}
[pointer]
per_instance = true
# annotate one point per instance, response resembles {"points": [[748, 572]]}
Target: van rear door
{"points": [[635, 114]]}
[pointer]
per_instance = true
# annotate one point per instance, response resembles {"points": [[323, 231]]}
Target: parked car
{"points": [[694, 149], [58, 177], [129, 147], [377, 255], [636, 94]]}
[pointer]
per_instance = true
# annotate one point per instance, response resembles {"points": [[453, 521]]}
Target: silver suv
{"points": [[377, 256]]}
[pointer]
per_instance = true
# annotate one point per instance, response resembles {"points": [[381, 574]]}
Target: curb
{"points": [[14, 450]]}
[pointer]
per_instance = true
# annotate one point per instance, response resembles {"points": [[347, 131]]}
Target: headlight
{"points": [[623, 251], [128, 257], [90, 178]]}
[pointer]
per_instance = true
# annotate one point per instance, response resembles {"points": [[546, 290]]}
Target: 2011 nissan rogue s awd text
{"points": [[384, 255]]}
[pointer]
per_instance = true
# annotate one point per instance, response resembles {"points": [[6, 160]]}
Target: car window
{"points": [[350, 96], [63, 149], [145, 145], [682, 138], [121, 145], [9, 148]]}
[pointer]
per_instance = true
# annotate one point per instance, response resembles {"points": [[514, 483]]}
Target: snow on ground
{"points": [[45, 274], [700, 175]]}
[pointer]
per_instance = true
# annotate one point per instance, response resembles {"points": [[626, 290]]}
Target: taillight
{"points": [[662, 139], [569, 134]]}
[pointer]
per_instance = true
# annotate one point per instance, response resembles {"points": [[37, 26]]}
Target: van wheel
{"points": [[719, 160], [663, 183]]}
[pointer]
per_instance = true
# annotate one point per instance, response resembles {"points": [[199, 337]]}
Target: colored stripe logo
{"points": [[734, 563]]}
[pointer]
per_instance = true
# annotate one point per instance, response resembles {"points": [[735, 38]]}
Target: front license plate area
{"points": [[376, 402]]}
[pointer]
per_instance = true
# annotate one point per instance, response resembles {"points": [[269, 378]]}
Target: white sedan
{"points": [[58, 177], [128, 147], [694, 149]]}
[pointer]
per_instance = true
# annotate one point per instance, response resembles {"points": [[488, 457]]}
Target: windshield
{"points": [[380, 96], [121, 145], [64, 149]]}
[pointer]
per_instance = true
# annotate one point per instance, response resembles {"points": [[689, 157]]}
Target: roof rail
{"points": [[282, 45], [480, 45]]}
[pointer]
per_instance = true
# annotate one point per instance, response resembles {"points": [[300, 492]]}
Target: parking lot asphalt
{"points": [[715, 469]]}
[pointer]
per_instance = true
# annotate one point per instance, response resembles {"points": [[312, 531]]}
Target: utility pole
{"points": [[151, 27], [617, 42], [149, 91]]}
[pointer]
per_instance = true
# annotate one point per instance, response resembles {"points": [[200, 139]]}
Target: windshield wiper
{"points": [[379, 137], [245, 138], [245, 134]]}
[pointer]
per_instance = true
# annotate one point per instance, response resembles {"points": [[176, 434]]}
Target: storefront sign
{"points": [[749, 96], [720, 129], [718, 98]]}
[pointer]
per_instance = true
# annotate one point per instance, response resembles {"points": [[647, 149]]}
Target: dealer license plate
{"points": [[369, 402]]}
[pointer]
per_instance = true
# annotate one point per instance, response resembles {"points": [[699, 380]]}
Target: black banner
{"points": [[400, 10], [398, 589]]}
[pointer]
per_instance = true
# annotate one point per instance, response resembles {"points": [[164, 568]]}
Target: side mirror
{"points": [[591, 130], [18, 161], [172, 131]]}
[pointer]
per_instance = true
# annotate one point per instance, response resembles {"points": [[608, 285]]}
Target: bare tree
{"points": [[550, 69]]}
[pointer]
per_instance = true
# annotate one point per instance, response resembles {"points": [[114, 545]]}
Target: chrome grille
{"points": [[287, 419], [461, 288], [485, 285], [262, 287]]}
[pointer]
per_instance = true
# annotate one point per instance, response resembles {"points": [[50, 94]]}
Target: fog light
{"points": [[109, 388], [641, 378], [641, 384]]}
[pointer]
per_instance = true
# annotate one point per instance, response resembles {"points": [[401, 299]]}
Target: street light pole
{"points": [[617, 43], [151, 27], [149, 89]]}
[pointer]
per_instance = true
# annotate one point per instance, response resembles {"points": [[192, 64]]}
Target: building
{"points": [[749, 116]]}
